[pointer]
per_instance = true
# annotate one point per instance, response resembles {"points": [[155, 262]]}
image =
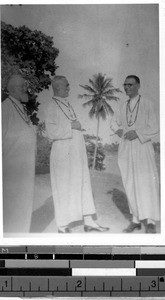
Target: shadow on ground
{"points": [[120, 200], [42, 216]]}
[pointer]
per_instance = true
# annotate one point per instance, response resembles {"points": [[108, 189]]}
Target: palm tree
{"points": [[100, 91]]}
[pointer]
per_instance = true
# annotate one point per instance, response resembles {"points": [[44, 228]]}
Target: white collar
{"points": [[61, 100], [134, 98], [16, 101]]}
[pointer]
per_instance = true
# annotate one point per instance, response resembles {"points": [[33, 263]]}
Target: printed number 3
{"points": [[153, 283]]}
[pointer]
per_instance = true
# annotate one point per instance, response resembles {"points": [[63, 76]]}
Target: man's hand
{"points": [[76, 125], [130, 135], [119, 132]]}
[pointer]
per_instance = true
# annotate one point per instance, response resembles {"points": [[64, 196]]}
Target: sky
{"points": [[113, 39]]}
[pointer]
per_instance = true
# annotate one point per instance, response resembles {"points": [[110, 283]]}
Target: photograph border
{"points": [[107, 238]]}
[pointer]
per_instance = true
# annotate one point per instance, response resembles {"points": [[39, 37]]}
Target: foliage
{"points": [[30, 53], [90, 147], [41, 129], [44, 147], [112, 148], [43, 154], [100, 92], [89, 138]]}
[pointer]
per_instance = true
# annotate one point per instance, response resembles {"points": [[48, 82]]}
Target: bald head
{"points": [[60, 86], [15, 80], [56, 82], [17, 88]]}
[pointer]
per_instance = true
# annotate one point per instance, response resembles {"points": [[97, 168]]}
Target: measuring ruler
{"points": [[88, 286], [82, 271]]}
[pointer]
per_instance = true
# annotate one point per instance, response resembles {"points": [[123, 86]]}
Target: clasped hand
{"points": [[130, 135], [119, 132], [76, 125]]}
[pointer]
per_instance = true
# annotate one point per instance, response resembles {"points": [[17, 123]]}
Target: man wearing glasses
{"points": [[135, 123]]}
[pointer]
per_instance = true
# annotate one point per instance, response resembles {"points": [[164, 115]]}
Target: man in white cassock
{"points": [[18, 147], [70, 178], [136, 124]]}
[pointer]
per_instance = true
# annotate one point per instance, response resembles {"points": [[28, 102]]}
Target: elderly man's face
{"points": [[63, 88], [131, 87], [20, 89]]}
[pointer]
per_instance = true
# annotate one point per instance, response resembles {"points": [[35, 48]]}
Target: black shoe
{"points": [[65, 230], [150, 228], [132, 226], [99, 228]]}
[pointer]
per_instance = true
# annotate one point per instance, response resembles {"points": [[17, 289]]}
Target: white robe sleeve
{"points": [[116, 121], [57, 128], [5, 119], [146, 133]]}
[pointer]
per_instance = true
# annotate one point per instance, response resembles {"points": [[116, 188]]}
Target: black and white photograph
{"points": [[81, 88]]}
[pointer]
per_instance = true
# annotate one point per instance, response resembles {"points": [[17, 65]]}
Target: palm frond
{"points": [[87, 88], [96, 76], [88, 103], [112, 91], [98, 80], [86, 96], [109, 108], [93, 110], [111, 97], [101, 90], [101, 112], [104, 103], [93, 84], [118, 90], [107, 83]]}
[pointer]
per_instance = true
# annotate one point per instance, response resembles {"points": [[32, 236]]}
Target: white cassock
{"points": [[18, 146], [137, 160], [70, 178]]}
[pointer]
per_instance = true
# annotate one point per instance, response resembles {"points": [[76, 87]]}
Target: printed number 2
{"points": [[79, 283], [153, 283]]}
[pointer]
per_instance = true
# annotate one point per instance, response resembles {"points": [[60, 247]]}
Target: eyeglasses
{"points": [[128, 84]]}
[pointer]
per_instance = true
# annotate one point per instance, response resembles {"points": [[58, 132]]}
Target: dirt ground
{"points": [[109, 195]]}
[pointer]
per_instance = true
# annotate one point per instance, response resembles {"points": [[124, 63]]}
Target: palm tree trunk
{"points": [[96, 145]]}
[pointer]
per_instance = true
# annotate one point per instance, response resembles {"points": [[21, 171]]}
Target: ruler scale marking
{"points": [[61, 282], [140, 289], [48, 284], [11, 283]]}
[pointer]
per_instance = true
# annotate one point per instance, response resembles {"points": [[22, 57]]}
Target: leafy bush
{"points": [[43, 154], [90, 147], [30, 53], [44, 147], [112, 148]]}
